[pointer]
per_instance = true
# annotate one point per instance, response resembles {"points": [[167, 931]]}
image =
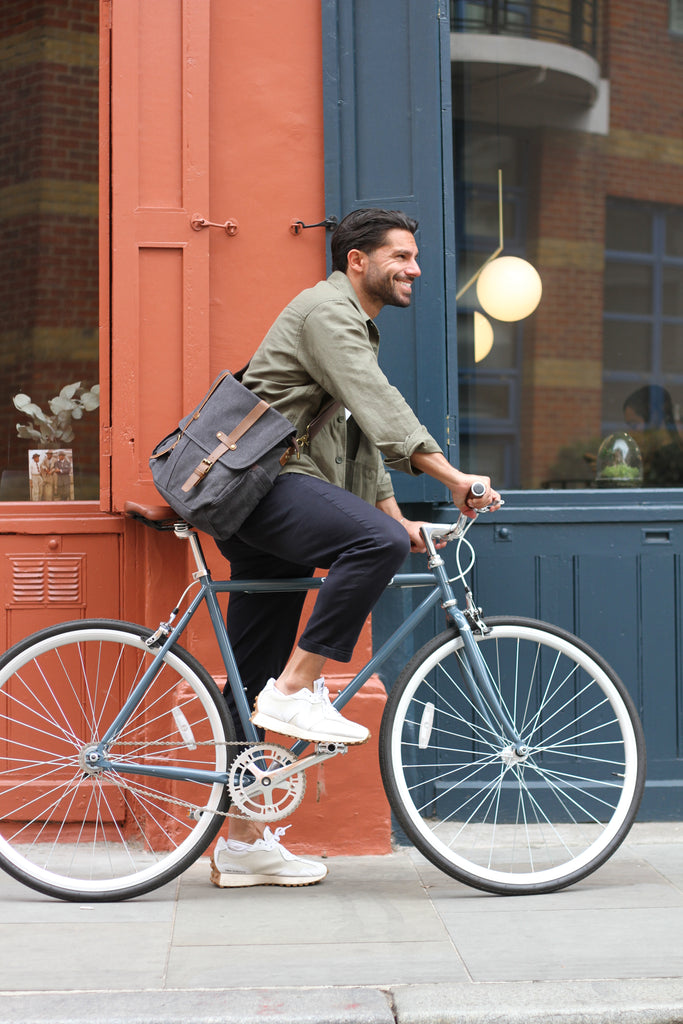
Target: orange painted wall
{"points": [[266, 166], [265, 169]]}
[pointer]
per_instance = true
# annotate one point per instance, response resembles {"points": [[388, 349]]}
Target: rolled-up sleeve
{"points": [[335, 348]]}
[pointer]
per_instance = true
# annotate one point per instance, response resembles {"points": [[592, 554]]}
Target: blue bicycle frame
{"points": [[474, 673]]}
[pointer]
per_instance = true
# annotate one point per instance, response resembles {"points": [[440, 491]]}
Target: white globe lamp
{"points": [[509, 288], [483, 337]]}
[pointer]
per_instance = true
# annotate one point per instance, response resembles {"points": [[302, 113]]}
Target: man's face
{"points": [[389, 271]]}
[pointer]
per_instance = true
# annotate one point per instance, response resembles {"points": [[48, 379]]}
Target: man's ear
{"points": [[356, 260]]}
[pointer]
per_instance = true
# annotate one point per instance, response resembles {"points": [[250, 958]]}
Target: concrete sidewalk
{"points": [[381, 940]]}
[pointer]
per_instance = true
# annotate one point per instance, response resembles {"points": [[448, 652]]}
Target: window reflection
{"points": [[592, 198], [49, 64]]}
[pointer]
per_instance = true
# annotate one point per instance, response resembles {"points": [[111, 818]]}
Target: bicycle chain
{"points": [[178, 801]]}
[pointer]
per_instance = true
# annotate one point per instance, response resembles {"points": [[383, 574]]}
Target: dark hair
{"points": [[366, 230], [653, 405]]}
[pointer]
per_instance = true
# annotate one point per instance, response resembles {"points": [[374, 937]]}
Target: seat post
{"points": [[185, 532]]}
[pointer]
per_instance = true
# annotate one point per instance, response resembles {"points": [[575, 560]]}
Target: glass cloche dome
{"points": [[619, 462]]}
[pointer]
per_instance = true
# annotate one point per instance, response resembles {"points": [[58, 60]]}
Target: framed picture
{"points": [[51, 474]]}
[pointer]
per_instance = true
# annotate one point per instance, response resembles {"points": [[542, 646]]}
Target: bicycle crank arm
{"points": [[323, 752]]}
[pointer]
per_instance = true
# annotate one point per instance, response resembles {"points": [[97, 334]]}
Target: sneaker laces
{"points": [[271, 840], [320, 690]]}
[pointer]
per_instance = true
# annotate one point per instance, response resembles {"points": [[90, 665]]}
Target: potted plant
{"points": [[50, 461]]}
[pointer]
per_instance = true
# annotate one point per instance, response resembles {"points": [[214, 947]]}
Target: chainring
{"points": [[258, 796]]}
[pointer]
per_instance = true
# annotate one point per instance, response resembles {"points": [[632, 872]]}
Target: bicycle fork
{"points": [[473, 668]]}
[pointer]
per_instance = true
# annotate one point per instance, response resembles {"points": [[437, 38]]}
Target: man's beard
{"points": [[384, 289]]}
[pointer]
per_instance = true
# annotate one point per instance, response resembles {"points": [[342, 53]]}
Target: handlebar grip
{"points": [[478, 489]]}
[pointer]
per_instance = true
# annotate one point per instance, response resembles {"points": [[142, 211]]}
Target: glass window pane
{"points": [[676, 15], [483, 153], [628, 288], [672, 348], [628, 227], [485, 454], [481, 216], [49, 240], [674, 233], [485, 400], [614, 394], [672, 291], [500, 356], [627, 346]]}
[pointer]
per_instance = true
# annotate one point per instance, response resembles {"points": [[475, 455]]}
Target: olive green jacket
{"points": [[323, 345]]}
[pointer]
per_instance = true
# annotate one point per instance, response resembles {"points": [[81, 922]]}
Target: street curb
{"points": [[646, 1001], [205, 1006]]}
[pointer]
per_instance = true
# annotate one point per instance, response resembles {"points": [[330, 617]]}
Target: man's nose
{"points": [[413, 269]]}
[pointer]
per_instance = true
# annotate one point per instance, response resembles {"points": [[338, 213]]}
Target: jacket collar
{"points": [[340, 281]]}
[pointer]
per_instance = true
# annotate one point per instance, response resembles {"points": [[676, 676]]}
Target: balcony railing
{"points": [[570, 22]]}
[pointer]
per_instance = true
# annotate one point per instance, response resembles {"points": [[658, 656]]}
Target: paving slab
{"points": [[371, 926]]}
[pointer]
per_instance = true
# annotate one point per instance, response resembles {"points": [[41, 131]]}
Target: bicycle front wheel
{"points": [[85, 834], [513, 819]]}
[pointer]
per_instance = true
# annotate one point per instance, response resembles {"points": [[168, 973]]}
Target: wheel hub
{"points": [[512, 756], [89, 759]]}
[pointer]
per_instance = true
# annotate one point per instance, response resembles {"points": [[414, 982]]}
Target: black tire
{"points": [[467, 800], [108, 835]]}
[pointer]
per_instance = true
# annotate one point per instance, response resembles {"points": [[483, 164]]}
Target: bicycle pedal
{"points": [[330, 749]]}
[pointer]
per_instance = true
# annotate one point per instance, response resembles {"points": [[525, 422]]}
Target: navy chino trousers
{"points": [[303, 524]]}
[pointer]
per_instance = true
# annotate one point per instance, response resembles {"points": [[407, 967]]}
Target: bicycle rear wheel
{"points": [[89, 835], [485, 814]]}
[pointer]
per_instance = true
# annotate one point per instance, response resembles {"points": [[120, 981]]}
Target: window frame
{"points": [[658, 259]]}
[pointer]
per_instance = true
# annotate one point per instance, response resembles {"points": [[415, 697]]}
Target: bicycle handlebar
{"points": [[452, 531]]}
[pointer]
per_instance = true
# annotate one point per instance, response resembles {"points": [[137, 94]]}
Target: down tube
{"points": [[388, 647]]}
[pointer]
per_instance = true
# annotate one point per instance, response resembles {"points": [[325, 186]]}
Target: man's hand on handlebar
{"points": [[417, 544], [473, 493]]}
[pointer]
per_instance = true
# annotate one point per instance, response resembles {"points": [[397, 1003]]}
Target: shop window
{"points": [[49, 236], [488, 386], [643, 333]]}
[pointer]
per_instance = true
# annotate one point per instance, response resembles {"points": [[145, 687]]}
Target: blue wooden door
{"points": [[388, 144]]}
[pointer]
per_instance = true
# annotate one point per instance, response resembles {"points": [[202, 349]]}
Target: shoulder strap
{"points": [[313, 428]]}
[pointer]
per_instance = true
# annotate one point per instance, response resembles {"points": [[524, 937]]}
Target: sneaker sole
{"points": [[234, 881], [284, 729]]}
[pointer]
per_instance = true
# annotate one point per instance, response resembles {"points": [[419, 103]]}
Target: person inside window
{"points": [[649, 417]]}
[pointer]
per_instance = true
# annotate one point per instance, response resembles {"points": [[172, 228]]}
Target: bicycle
{"points": [[511, 753]]}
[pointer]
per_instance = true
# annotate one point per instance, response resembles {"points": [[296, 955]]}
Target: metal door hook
{"points": [[297, 226], [231, 227]]}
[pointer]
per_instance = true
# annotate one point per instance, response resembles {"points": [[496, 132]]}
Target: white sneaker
{"points": [[265, 862], [305, 715]]}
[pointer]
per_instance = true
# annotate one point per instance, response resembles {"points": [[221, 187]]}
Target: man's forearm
{"points": [[437, 465], [391, 507]]}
